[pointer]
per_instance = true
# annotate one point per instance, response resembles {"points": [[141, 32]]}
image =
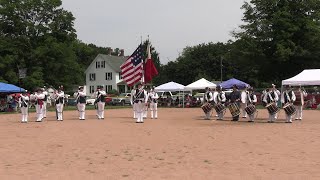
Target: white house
{"points": [[105, 71]]}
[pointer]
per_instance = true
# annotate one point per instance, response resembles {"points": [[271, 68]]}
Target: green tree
{"points": [[38, 35], [285, 35]]}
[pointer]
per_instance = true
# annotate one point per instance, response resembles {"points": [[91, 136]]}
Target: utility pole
{"points": [[220, 69]]}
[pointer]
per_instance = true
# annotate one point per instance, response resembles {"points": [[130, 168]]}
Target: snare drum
{"points": [[219, 108], [234, 109], [250, 109], [206, 107], [289, 109], [272, 108]]}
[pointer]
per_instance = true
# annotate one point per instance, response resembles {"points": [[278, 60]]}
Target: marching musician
{"points": [[132, 99], [59, 98], [23, 101], [208, 98], [100, 99], [220, 98], [288, 96], [81, 102], [141, 99], [214, 94], [244, 101], [39, 97], [235, 97], [299, 102], [275, 90], [45, 101], [271, 97], [153, 97], [252, 100], [145, 109]]}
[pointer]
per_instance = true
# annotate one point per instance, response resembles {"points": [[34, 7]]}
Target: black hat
{"points": [[235, 86], [218, 87]]}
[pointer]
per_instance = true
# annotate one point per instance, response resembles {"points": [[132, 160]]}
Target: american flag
{"points": [[131, 69]]}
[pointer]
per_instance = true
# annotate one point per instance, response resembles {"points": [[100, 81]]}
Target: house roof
{"points": [[113, 61]]}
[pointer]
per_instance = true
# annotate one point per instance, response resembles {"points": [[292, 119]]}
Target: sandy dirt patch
{"points": [[178, 145]]}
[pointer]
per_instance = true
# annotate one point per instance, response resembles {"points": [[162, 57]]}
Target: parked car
{"points": [[122, 99], [91, 101]]}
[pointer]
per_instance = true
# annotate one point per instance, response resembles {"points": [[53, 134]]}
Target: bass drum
{"points": [[272, 108], [234, 109], [219, 108], [207, 107], [250, 109], [289, 109]]}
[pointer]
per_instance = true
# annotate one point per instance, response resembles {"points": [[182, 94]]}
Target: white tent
{"points": [[170, 86], [201, 84], [305, 78]]}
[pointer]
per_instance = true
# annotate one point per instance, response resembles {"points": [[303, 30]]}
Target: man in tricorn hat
{"points": [[23, 100], [220, 100], [287, 98], [141, 98], [59, 98], [81, 102], [235, 98], [39, 96]]}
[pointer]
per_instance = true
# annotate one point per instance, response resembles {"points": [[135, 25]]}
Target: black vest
{"points": [[139, 94], [268, 97], [286, 98], [81, 99]]}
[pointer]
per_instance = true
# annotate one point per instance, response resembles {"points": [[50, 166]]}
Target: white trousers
{"points": [[59, 108], [140, 107], [100, 108], [39, 111], [24, 113], [208, 115], [134, 107], [272, 117], [154, 110], [288, 118], [299, 112], [44, 109], [81, 109], [145, 111], [252, 116], [243, 107], [220, 115]]}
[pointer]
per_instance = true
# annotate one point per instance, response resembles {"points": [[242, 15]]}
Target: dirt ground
{"points": [[177, 145]]}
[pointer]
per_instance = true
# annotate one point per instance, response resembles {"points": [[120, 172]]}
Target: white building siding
{"points": [[100, 76]]}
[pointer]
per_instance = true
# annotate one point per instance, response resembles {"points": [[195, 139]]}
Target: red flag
{"points": [[131, 69], [149, 69]]}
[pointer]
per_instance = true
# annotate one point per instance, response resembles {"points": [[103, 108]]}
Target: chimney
{"points": [[121, 52], [109, 50]]}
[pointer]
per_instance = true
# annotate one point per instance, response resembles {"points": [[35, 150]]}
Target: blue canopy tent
{"points": [[229, 83], [10, 88]]}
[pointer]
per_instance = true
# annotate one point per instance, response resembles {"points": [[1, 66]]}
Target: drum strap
{"points": [[249, 97], [270, 97]]}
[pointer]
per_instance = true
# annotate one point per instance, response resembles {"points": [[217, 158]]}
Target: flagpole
{"points": [[143, 62]]}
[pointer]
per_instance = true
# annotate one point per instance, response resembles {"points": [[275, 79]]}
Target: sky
{"points": [[171, 25]]}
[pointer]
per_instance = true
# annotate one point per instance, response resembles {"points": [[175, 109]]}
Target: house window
{"points": [[109, 76], [103, 64], [120, 77], [98, 64], [91, 89], [92, 76], [108, 88]]}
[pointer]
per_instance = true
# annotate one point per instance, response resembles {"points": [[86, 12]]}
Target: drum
{"points": [[289, 109], [234, 109], [219, 108], [272, 108], [206, 107], [250, 109]]}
